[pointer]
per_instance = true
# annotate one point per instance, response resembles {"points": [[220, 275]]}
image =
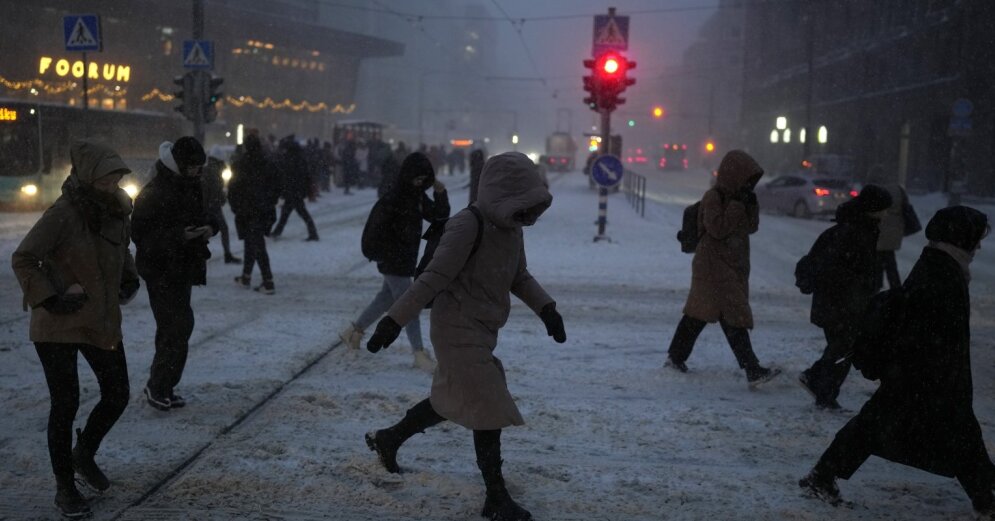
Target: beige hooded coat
{"points": [[720, 271], [472, 295], [62, 250]]}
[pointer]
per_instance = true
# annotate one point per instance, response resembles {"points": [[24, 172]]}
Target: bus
{"points": [[35, 140]]}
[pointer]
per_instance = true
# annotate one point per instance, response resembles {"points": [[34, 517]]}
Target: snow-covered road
{"points": [[610, 435]]}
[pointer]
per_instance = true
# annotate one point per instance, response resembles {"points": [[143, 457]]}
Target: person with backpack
{"points": [[471, 291], [840, 272], [720, 272], [922, 414], [894, 226], [392, 238]]}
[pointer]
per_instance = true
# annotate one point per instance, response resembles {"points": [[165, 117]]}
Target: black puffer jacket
{"points": [[166, 206], [404, 208], [254, 190]]}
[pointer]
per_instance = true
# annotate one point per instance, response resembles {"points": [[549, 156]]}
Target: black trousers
{"points": [[486, 443], [687, 334], [255, 252], [290, 205], [59, 362], [827, 374], [219, 216], [174, 321], [888, 268]]}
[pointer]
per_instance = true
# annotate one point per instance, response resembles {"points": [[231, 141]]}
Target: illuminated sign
{"points": [[97, 71], [461, 143], [7, 114]]}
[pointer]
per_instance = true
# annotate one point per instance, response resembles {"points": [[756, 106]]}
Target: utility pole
{"points": [[198, 34], [809, 27]]}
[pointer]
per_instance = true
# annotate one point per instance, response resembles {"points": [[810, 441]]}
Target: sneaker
{"points": [[821, 487], [677, 366], [760, 376], [266, 288], [70, 503], [243, 281], [352, 336], [176, 401], [231, 259], [157, 402], [424, 361]]}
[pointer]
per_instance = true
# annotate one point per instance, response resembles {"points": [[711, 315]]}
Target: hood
{"points": [[510, 183], [415, 165], [738, 169], [91, 161], [961, 226], [166, 156], [872, 198]]}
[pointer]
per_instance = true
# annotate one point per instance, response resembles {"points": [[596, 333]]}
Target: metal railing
{"points": [[634, 186]]}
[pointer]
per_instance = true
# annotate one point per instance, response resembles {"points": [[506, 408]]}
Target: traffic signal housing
{"points": [[591, 86], [211, 97], [185, 95], [608, 79]]}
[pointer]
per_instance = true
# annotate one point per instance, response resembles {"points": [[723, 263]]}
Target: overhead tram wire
{"points": [[518, 29]]}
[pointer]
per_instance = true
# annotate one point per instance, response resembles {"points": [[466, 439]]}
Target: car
{"points": [[804, 196]]}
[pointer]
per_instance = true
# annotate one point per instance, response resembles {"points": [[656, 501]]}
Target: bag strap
{"points": [[480, 229]]}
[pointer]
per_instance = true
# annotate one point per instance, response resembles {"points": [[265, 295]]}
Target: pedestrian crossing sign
{"points": [[611, 33], [82, 32], [198, 54]]}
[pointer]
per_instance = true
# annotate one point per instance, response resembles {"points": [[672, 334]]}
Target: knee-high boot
{"points": [[386, 442], [498, 506]]}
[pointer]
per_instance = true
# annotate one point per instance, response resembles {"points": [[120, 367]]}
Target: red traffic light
{"points": [[611, 65]]}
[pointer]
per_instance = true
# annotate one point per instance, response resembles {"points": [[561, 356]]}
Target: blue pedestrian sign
{"points": [[611, 33], [198, 54], [82, 32], [607, 170]]}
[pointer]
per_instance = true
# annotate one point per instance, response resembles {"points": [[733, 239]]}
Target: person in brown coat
{"points": [[75, 270], [472, 301], [720, 271]]}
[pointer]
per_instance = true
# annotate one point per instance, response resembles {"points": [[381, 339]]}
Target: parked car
{"points": [[804, 196]]}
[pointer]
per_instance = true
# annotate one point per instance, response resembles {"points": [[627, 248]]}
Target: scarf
{"points": [[963, 257], [103, 212]]}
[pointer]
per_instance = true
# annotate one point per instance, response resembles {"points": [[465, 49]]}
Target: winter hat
{"points": [[187, 151], [872, 199], [417, 165], [961, 226]]}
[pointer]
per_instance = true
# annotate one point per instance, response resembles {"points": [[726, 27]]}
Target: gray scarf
{"points": [[963, 257]]}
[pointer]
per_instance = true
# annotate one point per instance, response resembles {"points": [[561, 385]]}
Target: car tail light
{"points": [[685, 164], [821, 192], [628, 159], [663, 162], [563, 160], [854, 193]]}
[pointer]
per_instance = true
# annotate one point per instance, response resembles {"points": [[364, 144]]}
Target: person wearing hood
{"points": [[214, 195], [171, 227], [922, 414], [843, 264], [892, 227], [76, 271], [295, 183], [397, 220], [253, 193], [471, 291], [720, 270]]}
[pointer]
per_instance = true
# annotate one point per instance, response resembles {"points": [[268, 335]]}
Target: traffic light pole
{"points": [[606, 120], [198, 33]]}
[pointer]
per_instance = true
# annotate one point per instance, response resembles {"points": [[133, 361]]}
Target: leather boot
{"points": [[386, 442], [85, 466], [498, 505]]}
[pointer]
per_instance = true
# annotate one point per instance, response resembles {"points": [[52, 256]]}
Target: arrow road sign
{"points": [[198, 54], [82, 32], [607, 170]]}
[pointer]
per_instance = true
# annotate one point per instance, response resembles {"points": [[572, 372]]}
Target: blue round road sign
{"points": [[607, 170]]}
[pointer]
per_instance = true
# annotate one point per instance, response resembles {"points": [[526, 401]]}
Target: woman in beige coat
{"points": [[75, 269], [720, 271], [472, 291]]}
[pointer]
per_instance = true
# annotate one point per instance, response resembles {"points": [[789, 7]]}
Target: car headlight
{"points": [[29, 190], [131, 189], [226, 174]]}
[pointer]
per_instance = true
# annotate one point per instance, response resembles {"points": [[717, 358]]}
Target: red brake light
{"points": [[821, 192], [563, 160], [854, 193], [666, 146]]}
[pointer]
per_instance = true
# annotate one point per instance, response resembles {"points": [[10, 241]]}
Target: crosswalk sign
{"points": [[198, 54], [611, 33], [82, 32]]}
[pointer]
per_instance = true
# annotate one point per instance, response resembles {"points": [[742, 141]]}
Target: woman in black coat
{"points": [[922, 414], [253, 193]]}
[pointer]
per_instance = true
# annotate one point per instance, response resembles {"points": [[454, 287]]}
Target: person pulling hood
{"points": [[511, 192], [415, 165], [738, 170]]}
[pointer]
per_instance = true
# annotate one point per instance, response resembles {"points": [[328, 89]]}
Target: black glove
{"points": [[385, 335], [554, 323], [129, 289], [745, 196], [64, 304]]}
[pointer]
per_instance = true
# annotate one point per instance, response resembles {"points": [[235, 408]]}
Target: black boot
{"points": [[84, 465], [821, 484], [498, 506], [68, 500], [386, 442]]}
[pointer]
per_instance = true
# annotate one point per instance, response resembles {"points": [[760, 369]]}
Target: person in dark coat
{"points": [[214, 196], [476, 167], [922, 414], [389, 170], [253, 193], [399, 227], [844, 265], [171, 227], [295, 183], [350, 165], [720, 271]]}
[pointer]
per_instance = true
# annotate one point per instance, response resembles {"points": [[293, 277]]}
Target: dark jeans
{"points": [[255, 252], [687, 333], [174, 321], [888, 268], [290, 205], [827, 374], [59, 363], [219, 216]]}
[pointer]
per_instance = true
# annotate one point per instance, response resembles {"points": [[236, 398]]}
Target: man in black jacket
{"points": [[295, 180], [397, 219], [171, 227], [843, 265]]}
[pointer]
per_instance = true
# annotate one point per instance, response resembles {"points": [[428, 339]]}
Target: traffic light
{"points": [[591, 86], [709, 146], [658, 112], [185, 95], [612, 70], [211, 97]]}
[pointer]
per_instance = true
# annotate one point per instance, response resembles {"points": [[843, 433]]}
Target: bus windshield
{"points": [[19, 154]]}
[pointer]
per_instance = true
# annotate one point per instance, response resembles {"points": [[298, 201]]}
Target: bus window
{"points": [[19, 146]]}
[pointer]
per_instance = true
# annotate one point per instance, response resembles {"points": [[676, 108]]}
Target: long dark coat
{"points": [[253, 192], [294, 171], [923, 411], [845, 259], [167, 205]]}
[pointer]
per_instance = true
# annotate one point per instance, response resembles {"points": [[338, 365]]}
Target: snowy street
{"points": [[275, 420]]}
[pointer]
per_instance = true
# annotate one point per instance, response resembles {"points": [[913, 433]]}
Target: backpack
{"points": [[433, 236], [372, 240], [878, 334], [806, 274], [689, 235]]}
